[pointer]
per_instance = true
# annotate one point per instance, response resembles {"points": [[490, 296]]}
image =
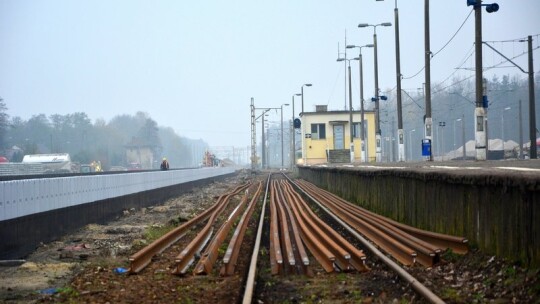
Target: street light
{"points": [[303, 125], [293, 144], [401, 146], [282, 152], [454, 133], [363, 138], [263, 147], [377, 122], [502, 128], [351, 145], [302, 93], [410, 143], [442, 124]]}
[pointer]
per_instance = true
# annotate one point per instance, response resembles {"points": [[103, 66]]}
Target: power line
{"points": [[513, 40], [462, 24], [444, 46], [471, 50]]}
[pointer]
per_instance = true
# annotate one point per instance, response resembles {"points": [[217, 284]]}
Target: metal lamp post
{"points": [[293, 143], [442, 124], [376, 96], [502, 128], [454, 133], [351, 131], [401, 144], [410, 143], [263, 147], [363, 136], [282, 135], [303, 124]]}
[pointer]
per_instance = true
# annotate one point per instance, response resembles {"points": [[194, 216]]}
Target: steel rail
{"points": [[250, 281], [297, 235], [415, 284], [233, 250], [426, 253], [353, 255], [334, 254], [143, 257], [295, 231], [284, 224], [276, 257], [187, 256], [399, 251], [437, 240], [210, 254]]}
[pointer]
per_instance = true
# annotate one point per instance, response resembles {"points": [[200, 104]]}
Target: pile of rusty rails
{"points": [[194, 249], [405, 243], [293, 224]]}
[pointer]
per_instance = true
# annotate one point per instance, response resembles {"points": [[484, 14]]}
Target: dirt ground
{"points": [[86, 266]]}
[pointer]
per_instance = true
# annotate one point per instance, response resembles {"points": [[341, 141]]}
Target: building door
{"points": [[339, 137]]}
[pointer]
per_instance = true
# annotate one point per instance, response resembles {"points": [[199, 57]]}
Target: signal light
{"points": [[297, 123], [491, 8]]}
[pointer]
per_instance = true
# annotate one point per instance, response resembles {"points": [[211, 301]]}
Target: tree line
{"points": [[99, 141]]}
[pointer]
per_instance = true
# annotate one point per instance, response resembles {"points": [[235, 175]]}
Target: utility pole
{"points": [[253, 138], [532, 109], [401, 145], [533, 153], [464, 142], [263, 144], [427, 58], [351, 145], [520, 132], [480, 111]]}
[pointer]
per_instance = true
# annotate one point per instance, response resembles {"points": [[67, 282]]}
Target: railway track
{"points": [[264, 232]]}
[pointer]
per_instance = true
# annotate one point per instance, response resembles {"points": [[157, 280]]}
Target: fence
{"points": [[29, 196]]}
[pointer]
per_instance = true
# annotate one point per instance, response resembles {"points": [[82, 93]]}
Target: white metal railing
{"points": [[24, 197]]}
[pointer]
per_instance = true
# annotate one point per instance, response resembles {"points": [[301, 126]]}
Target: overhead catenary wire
{"points": [[444, 46]]}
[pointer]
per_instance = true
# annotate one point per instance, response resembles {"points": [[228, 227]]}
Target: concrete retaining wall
{"points": [[21, 235], [499, 213]]}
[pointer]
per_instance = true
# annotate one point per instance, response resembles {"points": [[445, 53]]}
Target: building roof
{"points": [[335, 112]]}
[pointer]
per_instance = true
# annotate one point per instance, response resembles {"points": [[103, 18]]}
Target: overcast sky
{"points": [[194, 65]]}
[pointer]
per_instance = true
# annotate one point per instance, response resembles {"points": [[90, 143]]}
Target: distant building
{"points": [[327, 136], [143, 155]]}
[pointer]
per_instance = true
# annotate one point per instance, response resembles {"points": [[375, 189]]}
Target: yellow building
{"points": [[326, 136]]}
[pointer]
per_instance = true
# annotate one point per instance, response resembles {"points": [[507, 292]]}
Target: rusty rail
{"points": [[233, 250], [415, 284], [327, 236], [295, 248], [210, 255], [387, 236], [398, 250], [187, 256], [276, 257], [299, 225], [427, 245], [250, 281], [143, 257]]}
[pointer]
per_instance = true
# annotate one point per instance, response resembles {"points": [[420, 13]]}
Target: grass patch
{"points": [[450, 256], [452, 295], [155, 232]]}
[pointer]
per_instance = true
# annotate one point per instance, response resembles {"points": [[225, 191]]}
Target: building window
{"points": [[356, 129], [318, 131]]}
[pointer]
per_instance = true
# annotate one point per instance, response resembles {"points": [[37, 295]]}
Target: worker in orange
{"points": [[164, 164]]}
